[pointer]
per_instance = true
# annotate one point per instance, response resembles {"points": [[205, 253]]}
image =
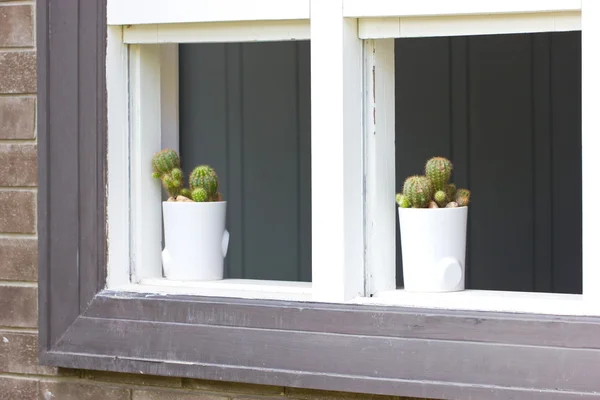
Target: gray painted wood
{"points": [[507, 110], [245, 109]]}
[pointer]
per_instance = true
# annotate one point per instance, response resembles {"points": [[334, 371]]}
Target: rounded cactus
{"points": [[164, 162], [204, 177], [463, 196], [441, 198], [199, 195], [402, 201], [185, 192], [418, 190], [172, 185], [438, 170], [451, 191]]}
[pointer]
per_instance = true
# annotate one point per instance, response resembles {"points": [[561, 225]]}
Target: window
{"points": [[352, 329]]}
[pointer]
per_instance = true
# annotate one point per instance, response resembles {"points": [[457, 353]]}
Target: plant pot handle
{"points": [[225, 242], [167, 261]]}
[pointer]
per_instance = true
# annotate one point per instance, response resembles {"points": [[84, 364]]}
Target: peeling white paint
{"points": [[4, 339]]}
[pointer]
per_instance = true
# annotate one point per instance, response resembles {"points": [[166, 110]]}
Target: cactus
{"points": [[438, 170], [419, 191], [173, 182], [463, 196], [441, 198], [402, 201], [205, 178], [185, 192], [451, 191], [164, 162]]}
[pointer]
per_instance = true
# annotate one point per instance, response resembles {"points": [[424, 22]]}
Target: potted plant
{"points": [[433, 229], [196, 240]]}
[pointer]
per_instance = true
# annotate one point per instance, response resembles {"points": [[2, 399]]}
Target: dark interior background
{"points": [[505, 108]]}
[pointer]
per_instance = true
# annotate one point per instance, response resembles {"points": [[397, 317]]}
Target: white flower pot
{"points": [[433, 248], [196, 240]]}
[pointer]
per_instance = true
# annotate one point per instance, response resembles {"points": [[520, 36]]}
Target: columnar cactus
{"points": [[419, 191], [463, 196], [204, 184], [164, 162], [438, 170]]}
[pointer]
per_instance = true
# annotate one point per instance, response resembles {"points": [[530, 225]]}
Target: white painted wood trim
{"points": [[130, 12], [217, 32], [238, 288], [394, 27], [146, 207], [487, 300], [590, 138], [421, 8], [118, 227], [169, 96], [380, 117], [336, 160]]}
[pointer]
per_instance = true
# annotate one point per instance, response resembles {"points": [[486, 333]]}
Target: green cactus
{"points": [[463, 196], [402, 201], [172, 182], [451, 191], [438, 170], [185, 192], [205, 178], [441, 198], [164, 162], [418, 190]]}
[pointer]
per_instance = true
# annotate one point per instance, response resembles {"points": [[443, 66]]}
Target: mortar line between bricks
{"points": [[17, 3], [17, 141], [18, 189], [10, 329], [27, 236], [20, 95], [4, 283], [17, 49]]}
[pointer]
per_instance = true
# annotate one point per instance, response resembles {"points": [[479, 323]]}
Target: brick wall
{"points": [[20, 375]]}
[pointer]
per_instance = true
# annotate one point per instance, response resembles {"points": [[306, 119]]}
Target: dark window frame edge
{"points": [[74, 309]]}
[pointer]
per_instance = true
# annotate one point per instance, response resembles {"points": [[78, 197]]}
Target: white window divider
{"points": [[336, 166]]}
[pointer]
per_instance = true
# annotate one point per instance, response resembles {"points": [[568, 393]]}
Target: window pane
{"points": [[506, 109], [245, 110]]}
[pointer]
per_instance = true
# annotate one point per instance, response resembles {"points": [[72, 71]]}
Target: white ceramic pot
{"points": [[196, 240], [433, 248]]}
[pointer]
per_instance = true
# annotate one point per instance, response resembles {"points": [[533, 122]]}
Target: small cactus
{"points": [[418, 190], [164, 162], [441, 198], [451, 191], [205, 178], [173, 182], [463, 196], [438, 170], [402, 201], [185, 192]]}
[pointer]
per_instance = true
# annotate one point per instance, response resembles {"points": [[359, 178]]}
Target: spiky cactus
{"points": [[418, 190], [185, 192], [463, 196], [204, 184], [173, 182], [438, 170], [441, 198], [164, 162], [451, 191], [402, 201]]}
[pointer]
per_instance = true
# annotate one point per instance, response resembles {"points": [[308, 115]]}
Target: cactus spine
{"points": [[204, 184], [419, 191], [438, 170]]}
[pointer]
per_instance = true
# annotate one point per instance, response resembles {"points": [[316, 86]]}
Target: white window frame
{"points": [[352, 73]]}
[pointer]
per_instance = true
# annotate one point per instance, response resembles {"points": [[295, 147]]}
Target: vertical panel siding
{"points": [[245, 109], [507, 110]]}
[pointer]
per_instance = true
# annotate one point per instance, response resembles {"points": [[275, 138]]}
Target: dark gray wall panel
{"points": [[507, 110], [245, 109]]}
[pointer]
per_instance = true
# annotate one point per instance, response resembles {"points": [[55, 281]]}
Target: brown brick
{"points": [[158, 394], [17, 118], [18, 306], [16, 26], [18, 259], [18, 164], [72, 390], [17, 211], [18, 388], [19, 354], [17, 72], [231, 387], [133, 379]]}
